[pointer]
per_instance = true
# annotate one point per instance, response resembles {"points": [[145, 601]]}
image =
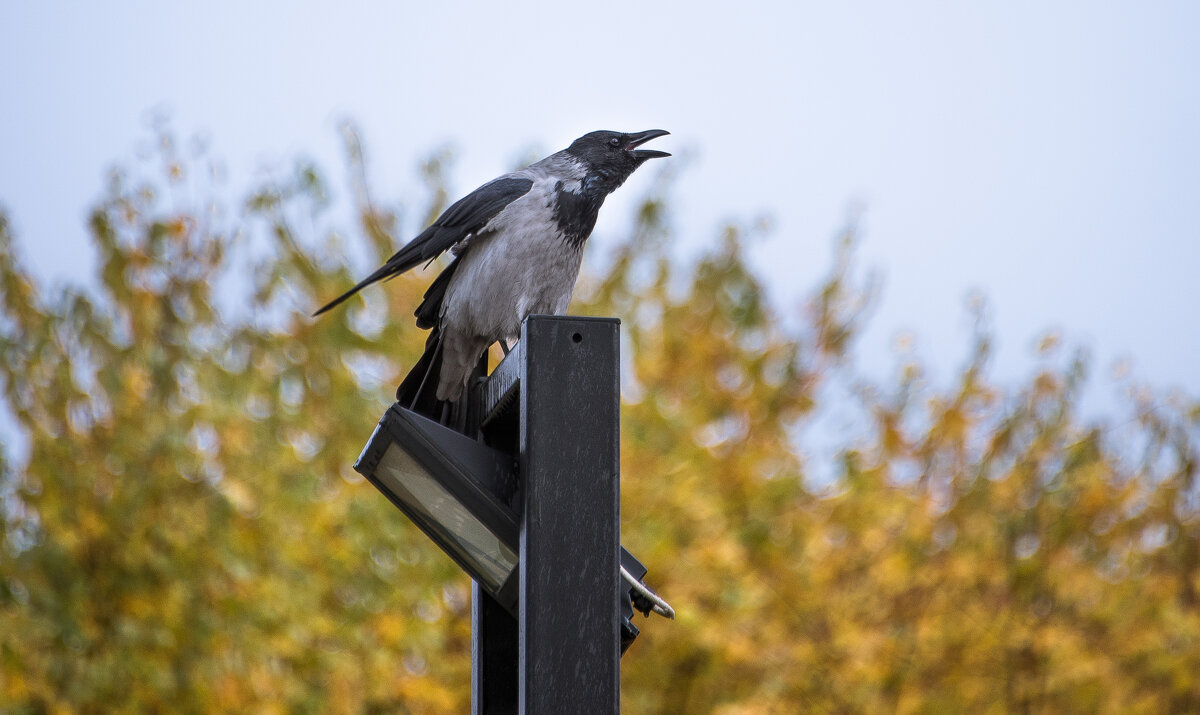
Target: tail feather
{"points": [[418, 390]]}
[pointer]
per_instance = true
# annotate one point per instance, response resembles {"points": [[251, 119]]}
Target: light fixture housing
{"points": [[455, 490]]}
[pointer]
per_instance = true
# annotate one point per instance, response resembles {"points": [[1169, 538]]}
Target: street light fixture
{"points": [[451, 487], [534, 523], [448, 485]]}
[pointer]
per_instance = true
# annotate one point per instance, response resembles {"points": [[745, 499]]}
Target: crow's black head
{"points": [[613, 155]]}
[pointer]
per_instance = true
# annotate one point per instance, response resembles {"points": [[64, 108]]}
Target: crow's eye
{"points": [[614, 142]]}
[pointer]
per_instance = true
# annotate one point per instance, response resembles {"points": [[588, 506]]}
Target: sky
{"points": [[1045, 155]]}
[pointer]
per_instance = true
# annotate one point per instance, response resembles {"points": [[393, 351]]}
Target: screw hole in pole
{"points": [[577, 338]]}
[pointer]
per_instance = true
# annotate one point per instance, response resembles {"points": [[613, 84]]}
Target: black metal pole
{"points": [[562, 653], [570, 471], [494, 656]]}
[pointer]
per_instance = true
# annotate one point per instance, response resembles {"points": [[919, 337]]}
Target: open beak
{"points": [[636, 140]]}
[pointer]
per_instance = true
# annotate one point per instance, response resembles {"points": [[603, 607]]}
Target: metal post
{"points": [[570, 472], [562, 651], [494, 656]]}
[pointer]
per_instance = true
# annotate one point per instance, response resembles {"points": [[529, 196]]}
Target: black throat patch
{"points": [[575, 212]]}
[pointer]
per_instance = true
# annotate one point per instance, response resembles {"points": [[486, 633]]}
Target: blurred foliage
{"points": [[185, 533]]}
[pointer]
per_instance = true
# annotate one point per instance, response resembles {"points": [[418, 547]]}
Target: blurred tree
{"points": [[185, 533]]}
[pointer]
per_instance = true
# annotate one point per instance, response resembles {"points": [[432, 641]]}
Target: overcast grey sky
{"points": [[1046, 154]]}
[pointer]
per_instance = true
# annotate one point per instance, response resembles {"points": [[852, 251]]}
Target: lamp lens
{"points": [[436, 510]]}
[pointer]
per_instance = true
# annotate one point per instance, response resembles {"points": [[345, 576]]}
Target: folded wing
{"points": [[465, 217]]}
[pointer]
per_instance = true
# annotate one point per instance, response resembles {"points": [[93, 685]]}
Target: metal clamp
{"points": [[656, 603]]}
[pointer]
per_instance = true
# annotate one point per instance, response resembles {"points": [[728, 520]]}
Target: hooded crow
{"points": [[517, 243]]}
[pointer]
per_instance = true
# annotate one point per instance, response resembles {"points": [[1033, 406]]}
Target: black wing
{"points": [[466, 216], [430, 309]]}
